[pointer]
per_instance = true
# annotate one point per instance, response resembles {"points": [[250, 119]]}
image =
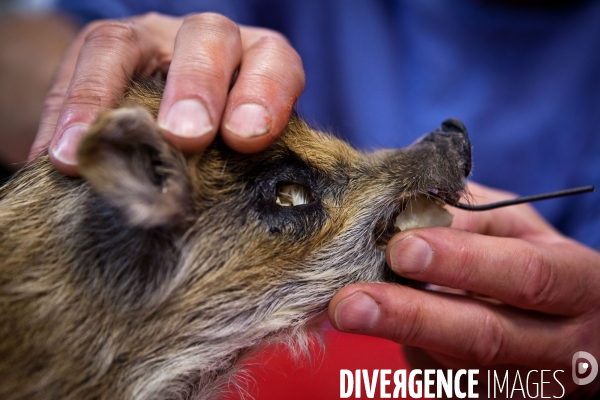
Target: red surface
{"points": [[278, 377]]}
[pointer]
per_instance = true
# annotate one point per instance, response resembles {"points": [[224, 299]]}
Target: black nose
{"points": [[454, 125], [460, 139]]}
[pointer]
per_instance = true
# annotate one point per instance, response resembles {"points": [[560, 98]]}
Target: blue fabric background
{"points": [[526, 82]]}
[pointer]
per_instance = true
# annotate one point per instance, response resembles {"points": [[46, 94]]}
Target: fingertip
{"points": [[190, 144], [187, 120], [249, 120], [63, 151], [409, 254], [248, 128], [340, 296], [377, 309], [66, 169], [419, 253], [251, 127], [358, 312], [259, 105], [359, 308], [247, 145]]}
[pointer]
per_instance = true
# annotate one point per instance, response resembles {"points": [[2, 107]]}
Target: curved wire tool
{"points": [[525, 199]]}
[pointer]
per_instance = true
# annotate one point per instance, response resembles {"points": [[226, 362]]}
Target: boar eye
{"points": [[293, 195]]}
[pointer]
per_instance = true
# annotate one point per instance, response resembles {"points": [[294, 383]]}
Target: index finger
{"points": [[96, 72], [556, 278], [55, 98], [270, 80]]}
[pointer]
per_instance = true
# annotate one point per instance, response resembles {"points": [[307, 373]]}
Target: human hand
{"points": [[202, 53], [538, 301]]}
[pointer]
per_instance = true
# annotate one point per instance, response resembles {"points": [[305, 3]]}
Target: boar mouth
{"points": [[420, 211]]}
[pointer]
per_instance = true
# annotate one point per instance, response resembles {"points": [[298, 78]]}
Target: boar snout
{"points": [[453, 140], [460, 139], [439, 162]]}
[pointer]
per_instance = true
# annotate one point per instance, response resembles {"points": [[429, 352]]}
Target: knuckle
{"points": [[151, 18], [276, 49], [275, 45], [91, 27], [91, 92], [87, 97], [409, 328], [253, 34], [54, 98], [488, 342], [272, 73], [274, 38], [111, 33], [266, 78], [215, 21], [203, 71], [465, 261], [539, 281]]}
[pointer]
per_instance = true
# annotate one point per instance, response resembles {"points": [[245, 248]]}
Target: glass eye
{"points": [[293, 195]]}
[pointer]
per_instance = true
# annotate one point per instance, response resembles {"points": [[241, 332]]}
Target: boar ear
{"points": [[127, 161]]}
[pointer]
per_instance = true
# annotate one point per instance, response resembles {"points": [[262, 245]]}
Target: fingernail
{"points": [[358, 312], [249, 120], [187, 119], [65, 149], [410, 255]]}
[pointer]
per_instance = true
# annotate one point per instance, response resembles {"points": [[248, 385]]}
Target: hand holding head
{"points": [[536, 300], [202, 54]]}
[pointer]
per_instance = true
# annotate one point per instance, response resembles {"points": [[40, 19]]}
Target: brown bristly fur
{"points": [[155, 273]]}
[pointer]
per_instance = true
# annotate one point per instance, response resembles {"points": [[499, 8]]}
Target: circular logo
{"points": [[582, 368]]}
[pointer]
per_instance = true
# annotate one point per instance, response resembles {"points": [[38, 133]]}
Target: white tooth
{"points": [[422, 213]]}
